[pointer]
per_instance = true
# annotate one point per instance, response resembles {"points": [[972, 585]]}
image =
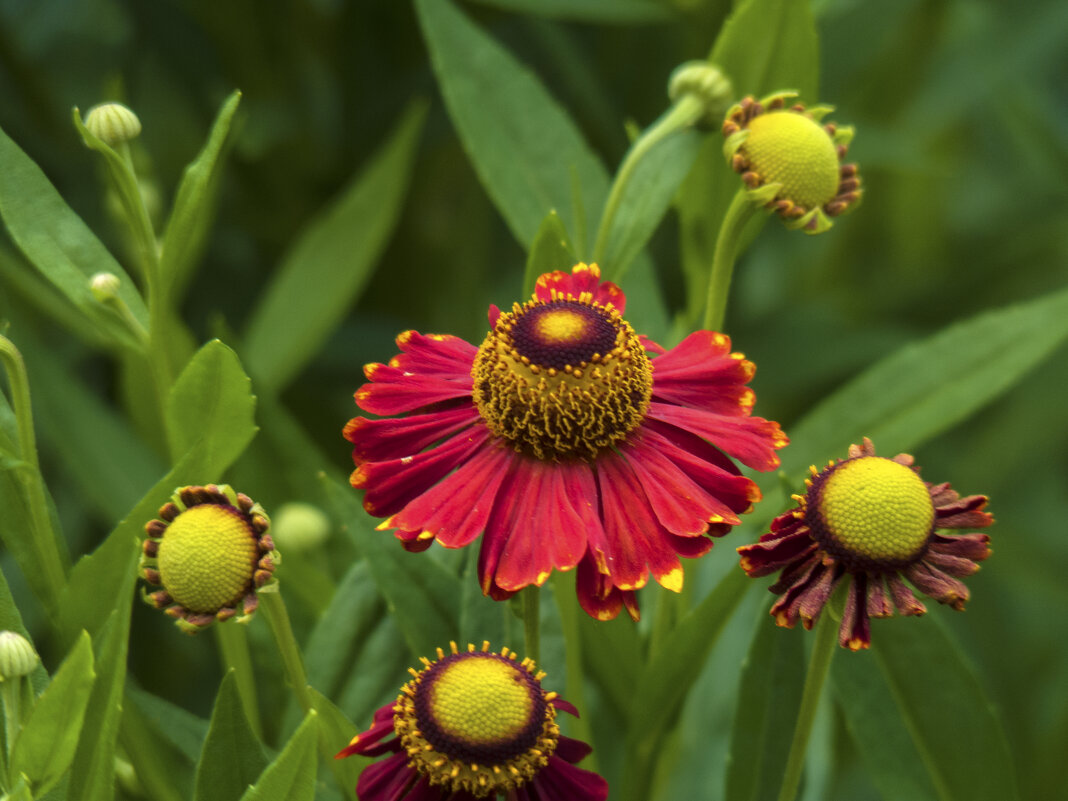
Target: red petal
{"points": [[751, 440], [561, 781], [855, 631], [393, 391], [405, 436]]}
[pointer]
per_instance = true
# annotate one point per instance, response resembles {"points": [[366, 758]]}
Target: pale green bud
{"points": [[17, 657], [299, 526], [707, 83], [104, 286], [113, 123]]}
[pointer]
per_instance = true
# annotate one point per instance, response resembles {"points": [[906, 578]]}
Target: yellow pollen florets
{"points": [[207, 558], [481, 701], [789, 148], [562, 379], [876, 510]]}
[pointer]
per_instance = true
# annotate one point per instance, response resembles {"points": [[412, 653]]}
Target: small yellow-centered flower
{"points": [[791, 161], [210, 551]]}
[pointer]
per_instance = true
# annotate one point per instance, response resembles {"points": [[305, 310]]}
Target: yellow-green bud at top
{"points": [[299, 527], [104, 286], [112, 123], [705, 81], [17, 657]]}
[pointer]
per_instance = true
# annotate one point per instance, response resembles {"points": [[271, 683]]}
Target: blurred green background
{"points": [[962, 137]]}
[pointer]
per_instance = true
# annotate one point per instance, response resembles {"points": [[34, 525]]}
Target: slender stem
{"points": [[49, 556], [574, 683], [532, 622], [683, 114], [818, 666], [233, 647], [12, 713], [738, 214], [274, 608]]}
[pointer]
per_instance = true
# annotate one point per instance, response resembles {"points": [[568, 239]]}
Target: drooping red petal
{"points": [[385, 438], [939, 585], [547, 532], [391, 485], [387, 780], [904, 599], [750, 440], [434, 354], [457, 509], [499, 525], [855, 631], [769, 554], [561, 781], [701, 373], [963, 513], [393, 391], [597, 596], [968, 546]]}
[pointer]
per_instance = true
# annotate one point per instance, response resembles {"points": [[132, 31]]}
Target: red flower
{"points": [[473, 725], [563, 444], [869, 521]]}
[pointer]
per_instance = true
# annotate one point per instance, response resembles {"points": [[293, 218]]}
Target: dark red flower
{"points": [[563, 443]]}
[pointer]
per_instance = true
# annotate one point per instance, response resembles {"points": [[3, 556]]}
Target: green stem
{"points": [[12, 713], [574, 683], [532, 622], [683, 114], [738, 214], [50, 561], [818, 666], [233, 647], [274, 609]]}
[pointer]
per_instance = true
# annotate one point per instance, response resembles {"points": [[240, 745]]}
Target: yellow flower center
{"points": [[872, 513], [477, 722], [790, 148], [562, 379], [207, 558]]}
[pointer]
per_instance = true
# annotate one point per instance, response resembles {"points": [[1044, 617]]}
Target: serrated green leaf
{"points": [[232, 758], [194, 205], [56, 241], [45, 747], [668, 676], [620, 12], [945, 710], [551, 250], [523, 145], [211, 408], [927, 387], [331, 262], [292, 774], [769, 695], [647, 197], [421, 594], [871, 715], [92, 775]]}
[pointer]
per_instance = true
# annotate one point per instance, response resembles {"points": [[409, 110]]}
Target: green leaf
{"points": [[45, 747], [180, 727], [668, 676], [945, 712], [232, 758], [211, 408], [57, 242], [194, 205], [621, 12], [422, 595], [292, 774], [768, 45], [551, 250], [335, 732], [523, 145], [92, 776], [769, 696], [163, 769], [647, 197], [886, 747], [927, 387], [329, 265]]}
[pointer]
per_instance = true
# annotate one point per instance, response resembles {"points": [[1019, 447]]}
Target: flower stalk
{"points": [[739, 213], [274, 609]]}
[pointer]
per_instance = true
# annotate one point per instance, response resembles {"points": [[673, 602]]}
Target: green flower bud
{"points": [[112, 123], [707, 83], [104, 286], [300, 527], [17, 657]]}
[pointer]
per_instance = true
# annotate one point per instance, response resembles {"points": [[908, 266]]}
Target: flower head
{"points": [[112, 123], [474, 724], [869, 521], [565, 439], [210, 552], [790, 161], [17, 656]]}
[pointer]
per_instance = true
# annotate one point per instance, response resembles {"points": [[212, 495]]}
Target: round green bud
{"points": [[299, 526], [104, 286], [706, 82], [112, 123], [17, 657]]}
